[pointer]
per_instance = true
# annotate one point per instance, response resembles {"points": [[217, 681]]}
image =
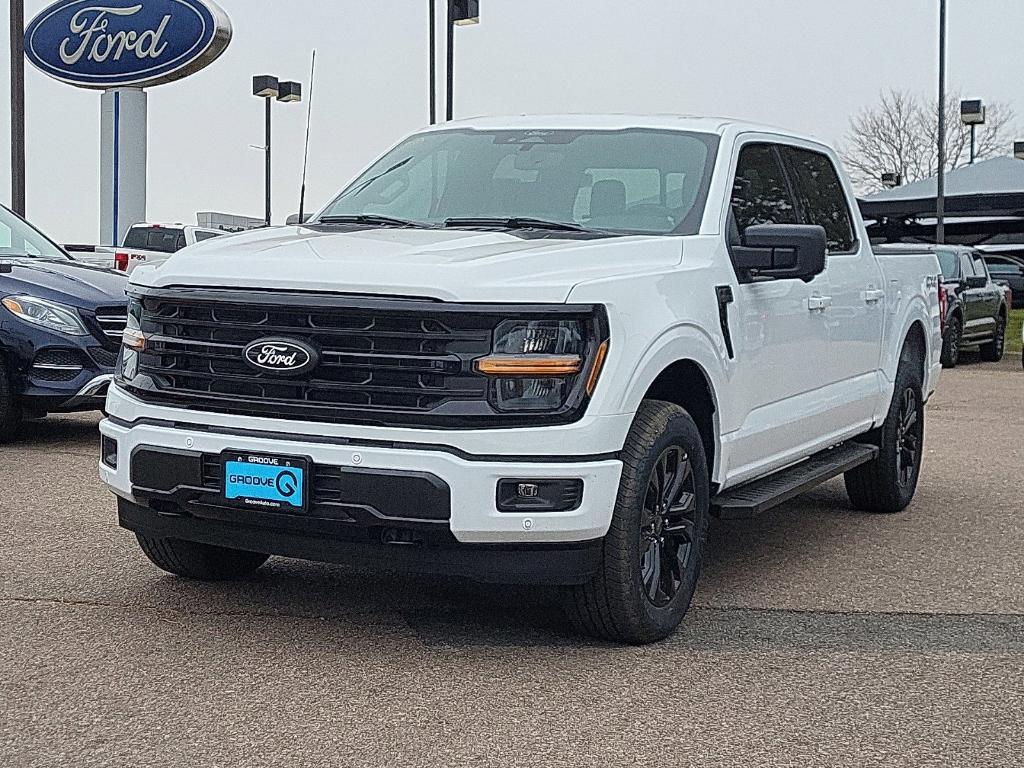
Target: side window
{"points": [[979, 267], [821, 196], [760, 193], [966, 265]]}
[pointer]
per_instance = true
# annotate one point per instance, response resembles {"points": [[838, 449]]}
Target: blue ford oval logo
{"points": [[287, 357], [116, 43]]}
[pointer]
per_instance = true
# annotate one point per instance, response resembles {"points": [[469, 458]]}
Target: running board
{"points": [[758, 496]]}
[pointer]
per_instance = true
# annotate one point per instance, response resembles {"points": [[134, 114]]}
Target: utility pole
{"points": [[18, 106], [451, 62], [940, 197], [432, 35]]}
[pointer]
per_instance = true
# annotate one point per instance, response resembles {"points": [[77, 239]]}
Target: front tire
{"points": [[10, 409], [202, 562], [653, 552], [951, 343], [888, 483], [992, 352]]}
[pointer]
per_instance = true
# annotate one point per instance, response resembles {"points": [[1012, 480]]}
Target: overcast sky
{"points": [[808, 64]]}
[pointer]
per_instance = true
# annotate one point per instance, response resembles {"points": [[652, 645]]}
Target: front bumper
{"points": [[472, 479]]}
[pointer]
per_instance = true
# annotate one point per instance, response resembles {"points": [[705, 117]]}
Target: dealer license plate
{"points": [[264, 481]]}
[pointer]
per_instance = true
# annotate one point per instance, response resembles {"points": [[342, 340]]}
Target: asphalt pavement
{"points": [[820, 636]]}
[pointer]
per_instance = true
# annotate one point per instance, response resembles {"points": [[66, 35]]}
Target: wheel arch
{"points": [[684, 368]]}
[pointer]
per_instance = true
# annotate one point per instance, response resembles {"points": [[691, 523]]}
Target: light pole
{"points": [[940, 196], [972, 113], [18, 106], [269, 88], [459, 13]]}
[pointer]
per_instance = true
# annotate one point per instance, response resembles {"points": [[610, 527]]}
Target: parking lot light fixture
{"points": [[972, 113], [891, 180], [460, 13], [269, 88], [1018, 150], [465, 12], [289, 92]]}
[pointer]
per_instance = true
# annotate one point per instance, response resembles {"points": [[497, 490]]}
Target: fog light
{"points": [[523, 495], [108, 451]]}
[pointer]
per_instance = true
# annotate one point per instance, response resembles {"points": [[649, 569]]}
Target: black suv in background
{"points": [[976, 306], [61, 324]]}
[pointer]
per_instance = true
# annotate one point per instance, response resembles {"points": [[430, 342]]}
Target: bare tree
{"points": [[900, 135]]}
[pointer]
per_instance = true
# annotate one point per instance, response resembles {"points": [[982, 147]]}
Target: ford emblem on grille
{"points": [[287, 357]]}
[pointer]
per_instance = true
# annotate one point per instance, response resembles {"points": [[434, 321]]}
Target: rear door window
{"points": [[821, 197], [760, 192]]}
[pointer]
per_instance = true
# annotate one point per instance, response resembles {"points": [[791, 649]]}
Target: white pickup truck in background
{"points": [[533, 349], [143, 244], [155, 243]]}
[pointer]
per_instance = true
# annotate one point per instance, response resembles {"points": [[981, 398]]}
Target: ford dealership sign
{"points": [[118, 43]]}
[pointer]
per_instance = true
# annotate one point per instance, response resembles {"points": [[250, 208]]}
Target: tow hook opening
{"points": [[402, 537]]}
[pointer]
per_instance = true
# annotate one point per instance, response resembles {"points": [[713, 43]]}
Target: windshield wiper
{"points": [[363, 185], [371, 219], [514, 222]]}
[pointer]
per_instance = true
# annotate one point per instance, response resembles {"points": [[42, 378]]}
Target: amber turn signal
{"points": [[595, 372], [134, 339], [515, 365]]}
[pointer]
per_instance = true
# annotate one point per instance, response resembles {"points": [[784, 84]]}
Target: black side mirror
{"points": [[976, 281], [780, 252]]}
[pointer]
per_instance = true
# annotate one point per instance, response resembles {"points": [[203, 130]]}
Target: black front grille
{"points": [[381, 361], [105, 358], [112, 322], [372, 359], [57, 365]]}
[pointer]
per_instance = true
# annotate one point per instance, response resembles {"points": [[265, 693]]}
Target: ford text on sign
{"points": [[113, 43]]}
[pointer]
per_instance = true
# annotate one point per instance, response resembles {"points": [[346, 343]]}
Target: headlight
{"points": [[48, 314], [133, 342], [538, 365]]}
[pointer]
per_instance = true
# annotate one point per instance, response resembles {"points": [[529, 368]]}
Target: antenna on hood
{"points": [[305, 153]]}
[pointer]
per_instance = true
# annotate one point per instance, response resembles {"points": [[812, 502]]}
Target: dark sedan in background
{"points": [[60, 327]]}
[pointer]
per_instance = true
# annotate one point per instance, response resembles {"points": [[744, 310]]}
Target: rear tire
{"points": [[992, 352], [10, 409], [652, 555], [951, 343], [202, 562], [888, 483]]}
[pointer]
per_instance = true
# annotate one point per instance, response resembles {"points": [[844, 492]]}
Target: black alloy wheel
{"points": [[951, 344], [668, 526], [910, 436]]}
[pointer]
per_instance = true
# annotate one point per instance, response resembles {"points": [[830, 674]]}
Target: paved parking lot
{"points": [[820, 636]]}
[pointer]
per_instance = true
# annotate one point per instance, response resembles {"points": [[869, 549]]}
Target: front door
{"points": [[781, 337]]}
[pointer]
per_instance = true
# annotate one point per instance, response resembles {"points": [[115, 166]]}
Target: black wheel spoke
{"points": [[668, 526]]}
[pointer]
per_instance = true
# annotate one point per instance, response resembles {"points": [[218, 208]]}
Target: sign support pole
{"points": [[123, 154], [18, 106]]}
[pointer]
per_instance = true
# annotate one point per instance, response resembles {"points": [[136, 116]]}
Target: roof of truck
{"points": [[610, 122]]}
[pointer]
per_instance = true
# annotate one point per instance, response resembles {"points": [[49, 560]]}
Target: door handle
{"points": [[872, 295], [819, 303]]}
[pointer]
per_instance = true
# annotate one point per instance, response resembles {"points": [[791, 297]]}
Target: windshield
{"points": [[949, 262], [630, 182], [18, 238]]}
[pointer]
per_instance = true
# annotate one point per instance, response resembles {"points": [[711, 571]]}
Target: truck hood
{"points": [[79, 285], [450, 265]]}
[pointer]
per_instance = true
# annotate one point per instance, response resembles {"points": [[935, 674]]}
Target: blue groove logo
{"points": [[115, 43]]}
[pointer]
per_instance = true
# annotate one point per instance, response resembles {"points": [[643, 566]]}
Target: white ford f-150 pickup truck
{"points": [[537, 349]]}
